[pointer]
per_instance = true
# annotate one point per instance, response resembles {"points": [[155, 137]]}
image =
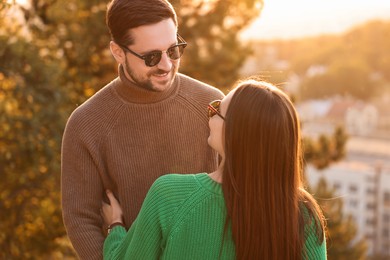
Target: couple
{"points": [[151, 121]]}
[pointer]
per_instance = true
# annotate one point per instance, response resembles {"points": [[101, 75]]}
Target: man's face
{"points": [[147, 38]]}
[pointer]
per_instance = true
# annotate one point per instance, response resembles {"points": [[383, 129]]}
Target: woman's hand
{"points": [[111, 213]]}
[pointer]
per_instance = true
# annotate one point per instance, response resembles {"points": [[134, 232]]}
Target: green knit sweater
{"points": [[183, 217]]}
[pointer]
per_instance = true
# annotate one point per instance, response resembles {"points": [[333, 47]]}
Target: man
{"points": [[149, 121]]}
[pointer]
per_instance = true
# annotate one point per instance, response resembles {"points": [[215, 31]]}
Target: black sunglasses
{"points": [[153, 58], [214, 109]]}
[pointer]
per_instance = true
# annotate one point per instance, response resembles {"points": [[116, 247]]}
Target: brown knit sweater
{"points": [[123, 138]]}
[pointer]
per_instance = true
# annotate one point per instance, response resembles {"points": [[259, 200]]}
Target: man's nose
{"points": [[165, 62]]}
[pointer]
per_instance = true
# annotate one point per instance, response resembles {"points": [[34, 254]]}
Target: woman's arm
{"points": [[145, 236]]}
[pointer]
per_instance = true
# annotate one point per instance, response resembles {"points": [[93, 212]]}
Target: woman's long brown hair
{"points": [[262, 182]]}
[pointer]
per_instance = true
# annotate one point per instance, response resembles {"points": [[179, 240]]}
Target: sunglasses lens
{"points": [[152, 59], [213, 108], [175, 52], [210, 112]]}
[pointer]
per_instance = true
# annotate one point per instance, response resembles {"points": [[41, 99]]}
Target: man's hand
{"points": [[112, 212]]}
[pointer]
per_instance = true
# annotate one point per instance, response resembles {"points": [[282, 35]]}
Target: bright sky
{"points": [[297, 18]]}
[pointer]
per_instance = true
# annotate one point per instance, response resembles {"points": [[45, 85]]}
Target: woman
{"points": [[253, 206]]}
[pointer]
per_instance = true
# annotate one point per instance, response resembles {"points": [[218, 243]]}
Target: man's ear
{"points": [[117, 52]]}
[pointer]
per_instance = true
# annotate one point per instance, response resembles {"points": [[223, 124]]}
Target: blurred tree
{"points": [[54, 54], [371, 42], [355, 63], [341, 229], [215, 53], [30, 138], [80, 41], [337, 80], [326, 150]]}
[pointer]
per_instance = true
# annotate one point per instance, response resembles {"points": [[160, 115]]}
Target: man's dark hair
{"points": [[123, 15]]}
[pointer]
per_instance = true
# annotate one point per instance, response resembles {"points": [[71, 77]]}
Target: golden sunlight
{"points": [[19, 2], [294, 19]]}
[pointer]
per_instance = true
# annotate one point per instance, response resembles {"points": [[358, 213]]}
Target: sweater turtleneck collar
{"points": [[132, 93]]}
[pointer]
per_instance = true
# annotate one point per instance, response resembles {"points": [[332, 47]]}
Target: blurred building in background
{"points": [[357, 117], [362, 181]]}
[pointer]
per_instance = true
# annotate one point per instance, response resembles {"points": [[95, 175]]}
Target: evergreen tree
{"points": [[326, 150]]}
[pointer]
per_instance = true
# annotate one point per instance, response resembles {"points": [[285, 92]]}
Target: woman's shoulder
{"points": [[175, 184], [174, 178], [310, 215], [169, 193], [315, 241]]}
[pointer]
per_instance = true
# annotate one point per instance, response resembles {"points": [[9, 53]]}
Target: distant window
{"points": [[386, 196], [369, 236], [386, 199], [386, 218], [385, 233], [370, 222], [370, 206], [370, 191], [354, 203], [353, 188], [337, 186]]}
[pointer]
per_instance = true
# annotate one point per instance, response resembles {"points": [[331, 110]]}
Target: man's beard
{"points": [[147, 83]]}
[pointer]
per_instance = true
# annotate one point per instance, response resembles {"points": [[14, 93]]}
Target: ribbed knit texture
{"points": [[123, 139], [183, 217], [312, 249]]}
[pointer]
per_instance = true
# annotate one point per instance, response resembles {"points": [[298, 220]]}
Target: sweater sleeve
{"points": [[81, 190], [144, 240], [314, 249]]}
